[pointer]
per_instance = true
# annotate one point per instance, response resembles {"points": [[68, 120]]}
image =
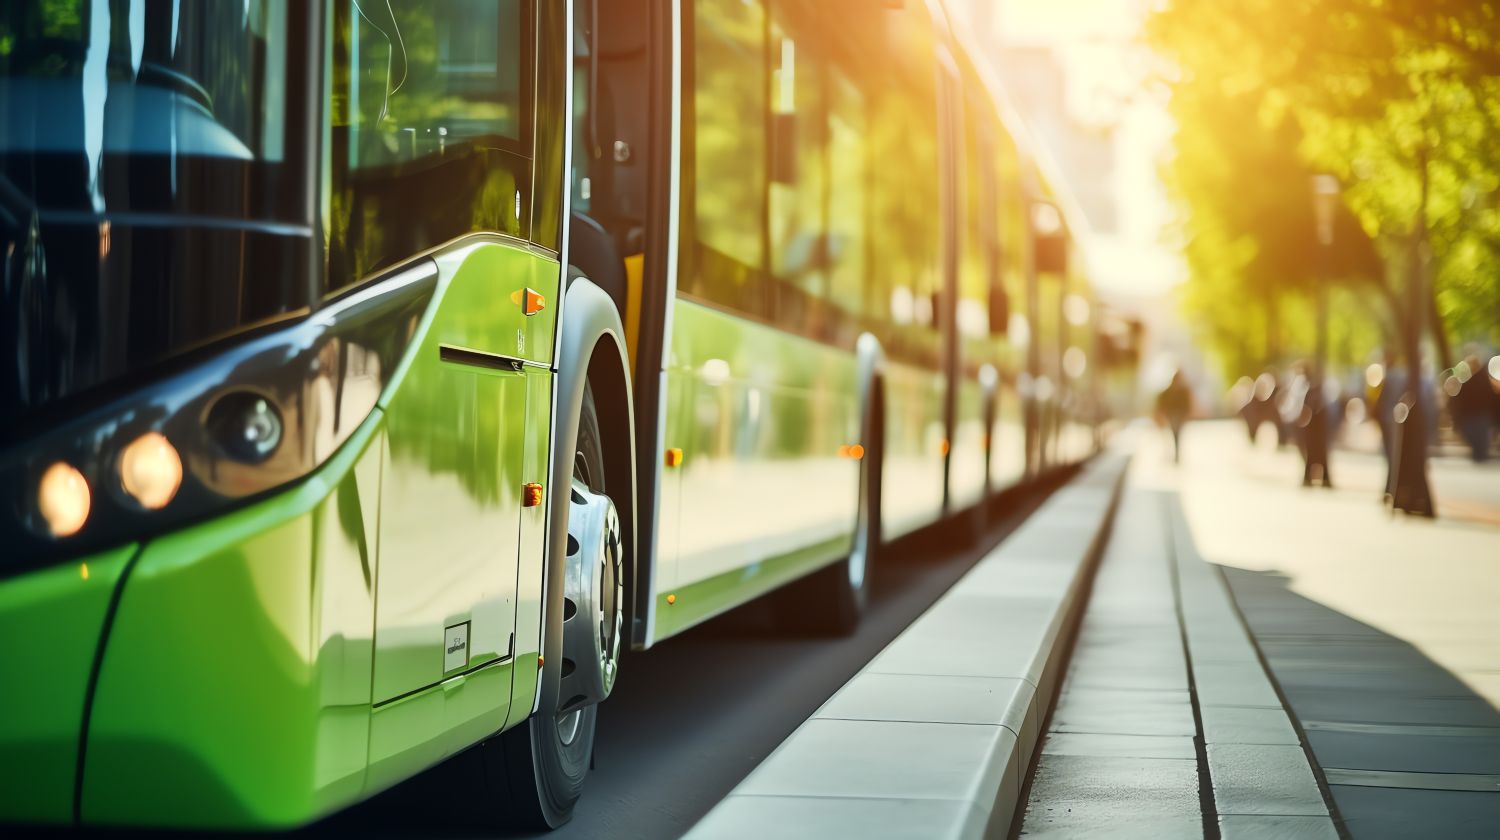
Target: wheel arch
{"points": [[870, 390], [591, 352]]}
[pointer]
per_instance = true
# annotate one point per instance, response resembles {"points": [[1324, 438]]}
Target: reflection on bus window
{"points": [[729, 147], [797, 195], [428, 78], [429, 102], [851, 288]]}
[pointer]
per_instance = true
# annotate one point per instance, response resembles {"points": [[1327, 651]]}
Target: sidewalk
{"points": [[1167, 724], [1382, 632]]}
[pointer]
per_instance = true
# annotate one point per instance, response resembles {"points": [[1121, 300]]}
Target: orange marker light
{"points": [[943, 447], [674, 457], [671, 599], [856, 452], [533, 303], [531, 495]]}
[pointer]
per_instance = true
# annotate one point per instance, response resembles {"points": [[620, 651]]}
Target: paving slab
{"points": [[1275, 827], [1109, 796], [743, 817], [1372, 813], [1240, 725], [1417, 753], [1140, 712], [998, 701], [1264, 779], [1240, 683], [1109, 745], [883, 759]]}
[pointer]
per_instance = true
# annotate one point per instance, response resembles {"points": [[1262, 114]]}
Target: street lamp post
{"points": [[1315, 447]]}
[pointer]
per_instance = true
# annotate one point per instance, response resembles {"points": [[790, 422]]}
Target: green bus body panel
{"points": [[462, 439], [50, 621], [762, 495], [235, 685], [246, 657], [536, 460]]}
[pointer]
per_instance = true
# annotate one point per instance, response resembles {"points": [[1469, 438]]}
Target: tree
{"points": [[1388, 95]]}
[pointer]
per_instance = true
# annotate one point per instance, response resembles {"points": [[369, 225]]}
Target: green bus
{"points": [[377, 372]]}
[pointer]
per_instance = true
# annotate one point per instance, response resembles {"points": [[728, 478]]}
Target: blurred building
{"points": [[1036, 82]]}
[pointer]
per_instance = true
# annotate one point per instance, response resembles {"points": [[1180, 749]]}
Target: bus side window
{"points": [[904, 200], [851, 290], [980, 254], [798, 195], [724, 188], [431, 127]]}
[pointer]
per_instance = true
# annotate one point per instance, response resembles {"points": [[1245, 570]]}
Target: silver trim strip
{"points": [[674, 204], [455, 354], [562, 295]]}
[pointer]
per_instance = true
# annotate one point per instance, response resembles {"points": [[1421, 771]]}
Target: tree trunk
{"points": [[1408, 485], [1439, 332], [1273, 350]]}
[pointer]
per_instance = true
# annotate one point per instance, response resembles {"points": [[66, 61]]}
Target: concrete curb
{"points": [[933, 737]]}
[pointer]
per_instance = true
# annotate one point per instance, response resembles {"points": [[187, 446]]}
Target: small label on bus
{"points": [[456, 647]]}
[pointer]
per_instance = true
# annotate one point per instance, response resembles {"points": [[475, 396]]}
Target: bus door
{"points": [[431, 144]]}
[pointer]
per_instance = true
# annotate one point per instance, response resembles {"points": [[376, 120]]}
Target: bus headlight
{"points": [[63, 499], [151, 470], [243, 417]]}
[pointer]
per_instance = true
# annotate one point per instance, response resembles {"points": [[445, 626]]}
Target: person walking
{"points": [[1173, 405], [1472, 409]]}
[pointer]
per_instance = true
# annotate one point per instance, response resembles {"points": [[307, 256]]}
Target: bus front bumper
{"points": [[229, 665]]}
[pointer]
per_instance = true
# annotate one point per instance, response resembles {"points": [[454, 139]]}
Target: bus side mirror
{"points": [[1051, 252]]}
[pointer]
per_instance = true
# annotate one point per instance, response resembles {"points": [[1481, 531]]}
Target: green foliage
{"points": [[1383, 94]]}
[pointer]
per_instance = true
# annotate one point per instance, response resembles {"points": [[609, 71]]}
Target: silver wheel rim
{"points": [[594, 595], [568, 726]]}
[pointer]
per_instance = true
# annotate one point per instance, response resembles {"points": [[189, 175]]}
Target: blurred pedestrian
{"points": [[1260, 408], [1473, 408], [1173, 405], [1392, 390], [1494, 372]]}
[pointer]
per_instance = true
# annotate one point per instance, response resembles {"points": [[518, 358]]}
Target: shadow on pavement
{"points": [[1407, 748]]}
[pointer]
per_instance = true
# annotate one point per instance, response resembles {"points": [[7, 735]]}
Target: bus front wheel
{"points": [[547, 758]]}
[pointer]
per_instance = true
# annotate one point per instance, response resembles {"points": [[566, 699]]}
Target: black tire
{"points": [[832, 600], [539, 767]]}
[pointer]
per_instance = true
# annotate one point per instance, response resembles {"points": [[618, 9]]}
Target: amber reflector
{"points": [[531, 495]]}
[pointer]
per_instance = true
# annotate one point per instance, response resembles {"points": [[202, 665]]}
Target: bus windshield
{"points": [[154, 184]]}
